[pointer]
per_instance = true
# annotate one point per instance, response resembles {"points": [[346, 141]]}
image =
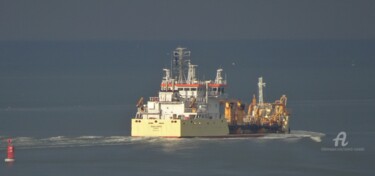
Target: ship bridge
{"points": [[186, 82]]}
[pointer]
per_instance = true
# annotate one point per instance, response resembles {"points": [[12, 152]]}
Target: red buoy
{"points": [[10, 153]]}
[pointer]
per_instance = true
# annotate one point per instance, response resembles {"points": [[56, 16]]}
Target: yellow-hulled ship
{"points": [[188, 107]]}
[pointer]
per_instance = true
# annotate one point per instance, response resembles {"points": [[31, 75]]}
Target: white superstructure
{"points": [[188, 107], [184, 97]]}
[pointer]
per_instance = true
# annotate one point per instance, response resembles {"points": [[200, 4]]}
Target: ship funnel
{"points": [[167, 74], [219, 79], [192, 74]]}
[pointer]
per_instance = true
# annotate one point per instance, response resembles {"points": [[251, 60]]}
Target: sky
{"points": [[82, 20]]}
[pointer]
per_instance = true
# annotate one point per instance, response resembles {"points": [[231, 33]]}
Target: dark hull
{"points": [[255, 129]]}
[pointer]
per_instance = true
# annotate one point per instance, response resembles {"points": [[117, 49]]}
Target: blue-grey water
{"points": [[67, 106]]}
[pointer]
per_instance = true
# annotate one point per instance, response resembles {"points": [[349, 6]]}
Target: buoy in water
{"points": [[10, 153]]}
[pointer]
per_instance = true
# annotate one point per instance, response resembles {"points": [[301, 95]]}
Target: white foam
{"points": [[90, 137], [57, 138], [296, 134]]}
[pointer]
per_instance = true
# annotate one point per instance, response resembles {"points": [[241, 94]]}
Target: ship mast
{"points": [[260, 87], [180, 55]]}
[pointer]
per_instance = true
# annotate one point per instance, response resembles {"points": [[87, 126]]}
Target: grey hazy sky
{"points": [[175, 19]]}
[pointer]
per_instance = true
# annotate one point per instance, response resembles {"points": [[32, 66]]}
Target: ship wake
{"points": [[87, 141], [64, 141], [296, 134]]}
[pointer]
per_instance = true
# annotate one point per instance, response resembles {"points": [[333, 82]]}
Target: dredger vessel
{"points": [[188, 107]]}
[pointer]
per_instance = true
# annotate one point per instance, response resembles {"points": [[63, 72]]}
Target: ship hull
{"points": [[178, 128], [252, 129]]}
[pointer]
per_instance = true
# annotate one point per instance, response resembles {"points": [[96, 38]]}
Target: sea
{"points": [[67, 106]]}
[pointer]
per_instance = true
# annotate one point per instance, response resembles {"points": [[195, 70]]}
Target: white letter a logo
{"points": [[341, 137]]}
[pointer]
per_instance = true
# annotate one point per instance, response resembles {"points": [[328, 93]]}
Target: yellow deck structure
{"points": [[179, 128]]}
